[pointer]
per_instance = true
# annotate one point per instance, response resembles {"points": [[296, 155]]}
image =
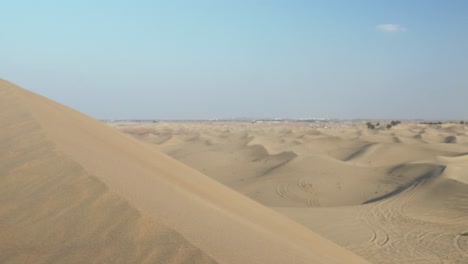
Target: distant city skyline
{"points": [[230, 59]]}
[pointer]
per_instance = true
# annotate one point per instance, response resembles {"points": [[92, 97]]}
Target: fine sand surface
{"points": [[396, 195], [74, 190]]}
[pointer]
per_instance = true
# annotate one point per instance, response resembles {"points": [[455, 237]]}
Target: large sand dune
{"points": [[74, 190], [396, 195]]}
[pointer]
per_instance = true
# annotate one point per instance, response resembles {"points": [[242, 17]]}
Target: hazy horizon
{"points": [[261, 59]]}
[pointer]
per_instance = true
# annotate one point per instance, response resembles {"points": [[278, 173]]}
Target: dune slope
{"points": [[54, 211], [76, 190]]}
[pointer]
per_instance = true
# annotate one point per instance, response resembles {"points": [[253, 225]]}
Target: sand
{"points": [[75, 190], [396, 195]]}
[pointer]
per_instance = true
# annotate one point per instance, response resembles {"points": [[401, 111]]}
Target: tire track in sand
{"points": [[398, 236], [289, 191], [307, 186], [461, 241]]}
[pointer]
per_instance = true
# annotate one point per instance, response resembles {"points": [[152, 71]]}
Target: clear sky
{"points": [[259, 58]]}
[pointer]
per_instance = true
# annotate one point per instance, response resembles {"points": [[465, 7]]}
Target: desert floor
{"points": [[397, 195]]}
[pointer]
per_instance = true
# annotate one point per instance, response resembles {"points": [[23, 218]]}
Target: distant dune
{"points": [[74, 190], [397, 195]]}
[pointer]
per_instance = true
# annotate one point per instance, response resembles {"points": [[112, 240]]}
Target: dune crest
{"points": [[89, 193]]}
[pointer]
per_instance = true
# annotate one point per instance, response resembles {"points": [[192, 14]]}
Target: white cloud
{"points": [[390, 28]]}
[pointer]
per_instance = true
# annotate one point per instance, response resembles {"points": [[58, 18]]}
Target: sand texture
{"points": [[75, 190], [396, 195]]}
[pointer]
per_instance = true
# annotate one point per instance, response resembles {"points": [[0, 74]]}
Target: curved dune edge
{"points": [[53, 211], [221, 222]]}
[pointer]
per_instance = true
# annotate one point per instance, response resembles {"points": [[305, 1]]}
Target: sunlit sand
{"points": [[75, 190]]}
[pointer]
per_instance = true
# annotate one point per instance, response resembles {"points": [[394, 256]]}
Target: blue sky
{"points": [[259, 58]]}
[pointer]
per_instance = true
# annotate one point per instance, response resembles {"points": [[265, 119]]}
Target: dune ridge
{"points": [[54, 211], [171, 212]]}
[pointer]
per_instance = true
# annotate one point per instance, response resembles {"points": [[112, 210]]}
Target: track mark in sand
{"points": [[378, 238], [421, 179], [461, 242], [399, 237], [312, 201], [306, 185], [384, 238], [282, 190], [384, 213]]}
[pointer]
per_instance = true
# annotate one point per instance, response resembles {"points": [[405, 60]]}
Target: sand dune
{"points": [[394, 195], [74, 190]]}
